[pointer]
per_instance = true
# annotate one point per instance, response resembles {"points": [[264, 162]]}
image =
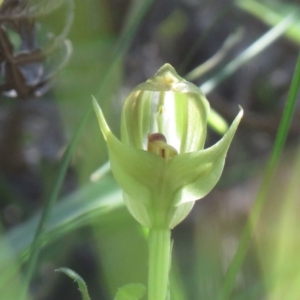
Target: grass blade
{"points": [[258, 46], [94, 200], [264, 188], [36, 244], [272, 13]]}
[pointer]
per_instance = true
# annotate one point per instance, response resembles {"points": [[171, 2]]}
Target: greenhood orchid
{"points": [[160, 161]]}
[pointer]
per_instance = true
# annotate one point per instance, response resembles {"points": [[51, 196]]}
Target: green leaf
{"points": [[92, 201], [131, 291], [81, 283]]}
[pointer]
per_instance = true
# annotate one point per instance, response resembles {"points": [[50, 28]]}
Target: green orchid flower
{"points": [[160, 162]]}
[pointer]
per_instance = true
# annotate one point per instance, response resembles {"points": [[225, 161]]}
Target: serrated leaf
{"points": [[81, 283]]}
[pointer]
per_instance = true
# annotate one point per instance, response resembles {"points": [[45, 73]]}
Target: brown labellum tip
{"points": [[154, 137]]}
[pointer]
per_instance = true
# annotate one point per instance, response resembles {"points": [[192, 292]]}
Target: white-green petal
{"points": [[135, 122], [168, 104]]}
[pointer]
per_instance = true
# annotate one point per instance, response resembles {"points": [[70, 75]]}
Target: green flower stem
{"points": [[159, 263]]}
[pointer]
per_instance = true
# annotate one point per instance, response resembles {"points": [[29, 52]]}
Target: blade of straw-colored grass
{"points": [[273, 13], [214, 119], [229, 43], [35, 247], [222, 12], [261, 44], [263, 191], [99, 173]]}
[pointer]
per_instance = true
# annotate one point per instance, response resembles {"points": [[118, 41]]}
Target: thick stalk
{"points": [[159, 263]]}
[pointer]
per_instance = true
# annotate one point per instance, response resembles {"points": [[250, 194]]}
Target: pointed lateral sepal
{"points": [[78, 279], [193, 175], [133, 168]]}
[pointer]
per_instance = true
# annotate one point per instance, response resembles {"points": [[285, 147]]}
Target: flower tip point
{"points": [[97, 108], [241, 112], [165, 67], [166, 75], [95, 102], [101, 120]]}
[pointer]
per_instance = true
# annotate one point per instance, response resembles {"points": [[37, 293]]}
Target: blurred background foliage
{"points": [[117, 44]]}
